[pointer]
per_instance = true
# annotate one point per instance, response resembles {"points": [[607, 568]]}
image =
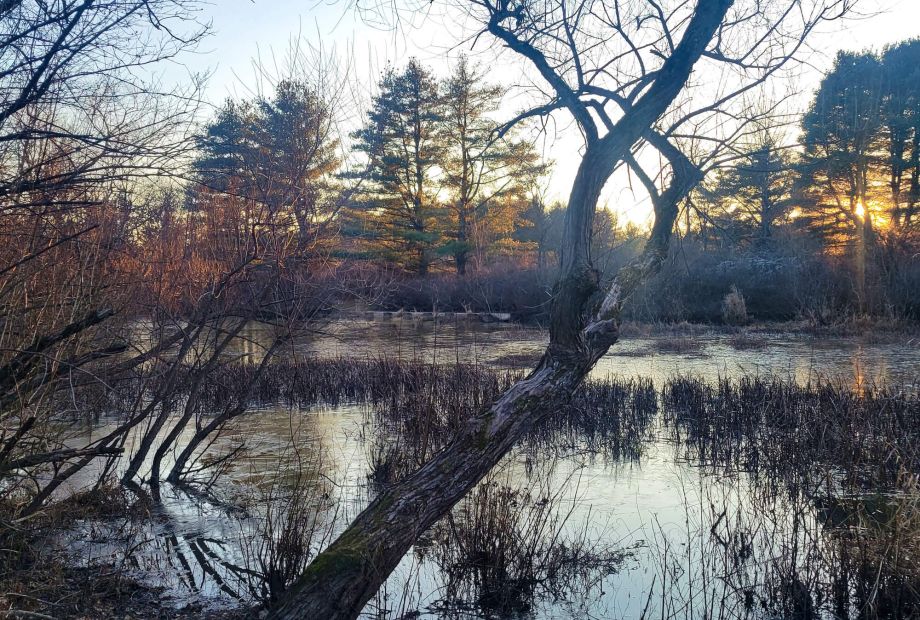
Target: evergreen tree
{"points": [[757, 192], [487, 175], [901, 114], [297, 158], [226, 149], [843, 147], [274, 158], [404, 145], [540, 227]]}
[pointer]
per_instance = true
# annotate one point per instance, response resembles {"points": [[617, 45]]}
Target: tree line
{"points": [[438, 178], [433, 181], [857, 160]]}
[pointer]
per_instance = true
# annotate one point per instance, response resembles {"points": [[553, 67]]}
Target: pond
{"points": [[659, 528], [693, 350]]}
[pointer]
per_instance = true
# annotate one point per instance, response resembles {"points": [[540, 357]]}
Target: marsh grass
{"points": [[772, 552], [744, 341], [810, 505], [611, 417], [812, 509], [504, 546], [868, 436], [683, 345]]}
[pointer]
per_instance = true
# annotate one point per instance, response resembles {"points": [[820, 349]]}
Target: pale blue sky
{"points": [[246, 29]]}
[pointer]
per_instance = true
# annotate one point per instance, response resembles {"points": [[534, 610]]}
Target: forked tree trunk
{"points": [[346, 575], [584, 324]]}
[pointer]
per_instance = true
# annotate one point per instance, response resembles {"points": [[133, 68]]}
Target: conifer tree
{"points": [[757, 191], [842, 146], [275, 157], [404, 145], [487, 174], [901, 112]]}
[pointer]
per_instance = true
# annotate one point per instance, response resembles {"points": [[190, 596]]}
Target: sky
{"points": [[263, 30]]}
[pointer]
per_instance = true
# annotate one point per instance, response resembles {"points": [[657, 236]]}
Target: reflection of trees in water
{"points": [[250, 553], [413, 410]]}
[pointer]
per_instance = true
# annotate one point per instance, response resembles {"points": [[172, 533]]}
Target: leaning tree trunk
{"points": [[583, 326], [346, 575]]}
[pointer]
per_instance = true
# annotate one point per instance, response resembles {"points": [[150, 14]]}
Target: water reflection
{"points": [[705, 354], [667, 515]]}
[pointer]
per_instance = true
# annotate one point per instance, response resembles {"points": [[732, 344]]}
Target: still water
{"points": [[673, 538], [695, 351]]}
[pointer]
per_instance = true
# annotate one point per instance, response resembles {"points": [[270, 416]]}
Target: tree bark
{"points": [[462, 253]]}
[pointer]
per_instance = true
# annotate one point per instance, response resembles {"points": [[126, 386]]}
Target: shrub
{"points": [[734, 310]]}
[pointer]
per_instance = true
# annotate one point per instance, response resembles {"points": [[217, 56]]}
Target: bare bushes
{"points": [[295, 524], [694, 280], [85, 120], [502, 547], [791, 280]]}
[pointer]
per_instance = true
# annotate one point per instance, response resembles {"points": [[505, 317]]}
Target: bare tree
{"points": [[84, 120], [617, 68]]}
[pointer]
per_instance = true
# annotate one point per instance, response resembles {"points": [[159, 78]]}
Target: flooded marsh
{"points": [[673, 484]]}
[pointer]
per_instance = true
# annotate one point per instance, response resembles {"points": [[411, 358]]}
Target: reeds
{"points": [[821, 517], [504, 546], [869, 435]]}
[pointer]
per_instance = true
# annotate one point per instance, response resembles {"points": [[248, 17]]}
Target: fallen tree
{"points": [[569, 45]]}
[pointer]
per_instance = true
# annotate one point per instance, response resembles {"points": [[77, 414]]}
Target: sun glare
{"points": [[860, 210]]}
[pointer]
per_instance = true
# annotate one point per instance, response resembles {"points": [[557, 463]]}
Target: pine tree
{"points": [[757, 191], [297, 159], [488, 176], [901, 113], [275, 158], [403, 143], [843, 147]]}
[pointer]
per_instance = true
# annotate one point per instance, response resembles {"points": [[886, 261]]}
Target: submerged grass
{"points": [[504, 546], [825, 520]]}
